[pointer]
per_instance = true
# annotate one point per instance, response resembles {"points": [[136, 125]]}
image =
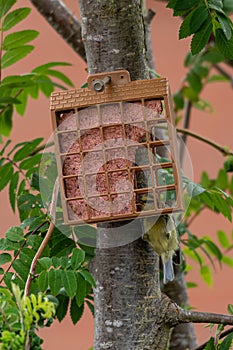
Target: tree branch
{"points": [[204, 317], [223, 149], [63, 21], [52, 212]]}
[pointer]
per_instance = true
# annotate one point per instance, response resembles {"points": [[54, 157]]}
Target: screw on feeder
{"points": [[99, 84]]}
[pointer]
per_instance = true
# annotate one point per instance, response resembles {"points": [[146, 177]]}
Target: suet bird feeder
{"points": [[110, 141]]}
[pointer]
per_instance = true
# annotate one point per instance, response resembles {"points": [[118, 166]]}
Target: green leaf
{"points": [[223, 239], [6, 171], [228, 164], [185, 5], [45, 262], [225, 46], [204, 105], [222, 180], [6, 121], [199, 15], [15, 17], [55, 282], [206, 275], [30, 162], [43, 281], [78, 256], [227, 260], [210, 345], [60, 76], [5, 6], [23, 97], [18, 81], [217, 78], [8, 100], [190, 93], [216, 5], [17, 39], [4, 147], [56, 262], [178, 100], [21, 269], [201, 38], [88, 277], [44, 67], [185, 29], [213, 248], [230, 309], [191, 285], [5, 258], [62, 307], [69, 282], [227, 342], [15, 55], [227, 6], [76, 311], [13, 189], [194, 81], [27, 149], [81, 289], [15, 234], [91, 307], [213, 56], [226, 25]]}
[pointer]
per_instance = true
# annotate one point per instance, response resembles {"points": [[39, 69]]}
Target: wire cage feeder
{"points": [[116, 149]]}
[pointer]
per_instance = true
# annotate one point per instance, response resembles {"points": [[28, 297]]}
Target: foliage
{"points": [[61, 281], [202, 19], [20, 316], [15, 89]]}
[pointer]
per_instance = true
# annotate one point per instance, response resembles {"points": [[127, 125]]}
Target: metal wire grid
{"points": [[155, 192]]}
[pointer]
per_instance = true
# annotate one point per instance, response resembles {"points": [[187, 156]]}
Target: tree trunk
{"points": [[130, 312]]}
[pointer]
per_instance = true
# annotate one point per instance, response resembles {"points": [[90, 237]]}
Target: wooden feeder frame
{"points": [[118, 90]]}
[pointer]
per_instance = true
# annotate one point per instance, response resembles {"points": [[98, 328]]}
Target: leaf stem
{"points": [[52, 212]]}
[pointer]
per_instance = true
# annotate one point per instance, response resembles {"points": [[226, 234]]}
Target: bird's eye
{"points": [[167, 235]]}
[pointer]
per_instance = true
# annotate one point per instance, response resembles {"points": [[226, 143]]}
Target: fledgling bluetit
{"points": [[162, 236]]}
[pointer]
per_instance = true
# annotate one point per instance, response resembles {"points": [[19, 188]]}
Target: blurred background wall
{"points": [[169, 54]]}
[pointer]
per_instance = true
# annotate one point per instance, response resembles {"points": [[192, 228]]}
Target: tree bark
{"points": [[63, 21], [183, 335], [127, 298]]}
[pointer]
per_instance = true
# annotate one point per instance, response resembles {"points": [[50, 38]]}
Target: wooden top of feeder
{"points": [[119, 89]]}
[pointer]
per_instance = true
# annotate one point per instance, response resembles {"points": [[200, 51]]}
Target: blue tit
{"points": [[162, 236]]}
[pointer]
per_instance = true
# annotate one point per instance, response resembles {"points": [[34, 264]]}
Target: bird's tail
{"points": [[168, 272]]}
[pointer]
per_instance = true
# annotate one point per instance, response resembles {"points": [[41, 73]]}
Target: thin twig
{"points": [[222, 335], [224, 73], [21, 247], [52, 212], [187, 115], [223, 149]]}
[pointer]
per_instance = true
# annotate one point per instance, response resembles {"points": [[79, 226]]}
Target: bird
{"points": [[161, 234]]}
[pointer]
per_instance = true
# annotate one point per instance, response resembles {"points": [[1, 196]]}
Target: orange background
{"points": [[169, 54]]}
